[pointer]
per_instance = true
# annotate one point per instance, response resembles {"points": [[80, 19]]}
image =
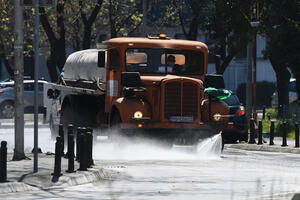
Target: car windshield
{"points": [[162, 61], [232, 100]]}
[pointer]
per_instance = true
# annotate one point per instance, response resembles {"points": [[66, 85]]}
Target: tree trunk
{"points": [[88, 23], [51, 66], [8, 67], [283, 77], [193, 32], [58, 50], [225, 64]]}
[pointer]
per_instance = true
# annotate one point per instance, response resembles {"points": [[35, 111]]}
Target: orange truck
{"points": [[142, 86]]}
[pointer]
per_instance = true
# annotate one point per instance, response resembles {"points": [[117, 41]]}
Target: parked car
{"points": [[6, 82], [7, 93], [238, 117]]}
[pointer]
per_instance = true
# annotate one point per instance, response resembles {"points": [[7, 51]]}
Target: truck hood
{"points": [[156, 80]]}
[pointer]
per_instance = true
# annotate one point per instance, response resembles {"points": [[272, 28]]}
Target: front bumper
{"points": [[147, 124]]}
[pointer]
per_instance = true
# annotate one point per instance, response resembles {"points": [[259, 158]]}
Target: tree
{"points": [[229, 27], [6, 36], [124, 16], [225, 22], [197, 8], [88, 22], [58, 39], [280, 23]]}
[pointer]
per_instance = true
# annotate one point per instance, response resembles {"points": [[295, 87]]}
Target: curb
{"points": [[78, 178], [269, 148], [83, 177], [11, 187], [5, 125]]}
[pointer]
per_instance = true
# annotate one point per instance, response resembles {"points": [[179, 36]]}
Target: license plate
{"points": [[181, 119]]}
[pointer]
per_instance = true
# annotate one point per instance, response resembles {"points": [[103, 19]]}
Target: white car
{"points": [[7, 97]]}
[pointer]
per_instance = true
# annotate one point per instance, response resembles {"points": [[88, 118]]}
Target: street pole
{"points": [[254, 74], [36, 74], [19, 77], [249, 82], [254, 24]]}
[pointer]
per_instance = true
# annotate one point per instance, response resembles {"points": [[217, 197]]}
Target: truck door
{"points": [[113, 77]]}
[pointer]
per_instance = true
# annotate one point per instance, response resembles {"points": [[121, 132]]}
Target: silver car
{"points": [[7, 97]]}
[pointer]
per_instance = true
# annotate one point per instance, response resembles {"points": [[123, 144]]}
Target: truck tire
{"points": [[116, 120], [67, 117], [115, 131], [244, 136]]}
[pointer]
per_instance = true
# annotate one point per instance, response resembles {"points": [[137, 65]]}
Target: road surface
{"points": [[147, 171]]}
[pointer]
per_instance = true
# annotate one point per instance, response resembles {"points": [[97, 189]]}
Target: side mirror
{"points": [[214, 80], [101, 59], [131, 79]]}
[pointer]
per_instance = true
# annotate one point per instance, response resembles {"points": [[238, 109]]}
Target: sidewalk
{"points": [[28, 122], [20, 174], [266, 147]]}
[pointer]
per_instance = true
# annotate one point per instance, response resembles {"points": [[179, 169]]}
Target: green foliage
{"points": [[6, 28], [273, 113], [229, 25], [122, 17], [290, 128], [278, 128]]}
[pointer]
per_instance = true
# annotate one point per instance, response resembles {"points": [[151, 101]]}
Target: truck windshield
{"points": [[163, 61]]}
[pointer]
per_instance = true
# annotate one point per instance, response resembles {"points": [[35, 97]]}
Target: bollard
{"points": [[264, 112], [272, 133], [83, 159], [57, 161], [70, 130], [61, 134], [252, 132], [89, 136], [3, 162], [260, 133], [280, 111], [284, 144], [70, 153], [296, 135], [80, 130]]}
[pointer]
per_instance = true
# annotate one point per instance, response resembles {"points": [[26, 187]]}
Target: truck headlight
{"points": [[138, 114], [217, 116]]}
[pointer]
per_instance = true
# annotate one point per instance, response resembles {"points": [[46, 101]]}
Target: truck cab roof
{"points": [[156, 43]]}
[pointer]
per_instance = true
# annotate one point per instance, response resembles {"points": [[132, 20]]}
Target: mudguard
{"points": [[128, 106]]}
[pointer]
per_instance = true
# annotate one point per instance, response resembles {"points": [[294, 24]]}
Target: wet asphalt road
{"points": [[145, 171]]}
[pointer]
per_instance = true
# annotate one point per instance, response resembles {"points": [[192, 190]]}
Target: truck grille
{"points": [[181, 99]]}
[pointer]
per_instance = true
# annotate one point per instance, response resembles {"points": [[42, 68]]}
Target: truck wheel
{"points": [[7, 110], [115, 132], [66, 117], [116, 120], [244, 136]]}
